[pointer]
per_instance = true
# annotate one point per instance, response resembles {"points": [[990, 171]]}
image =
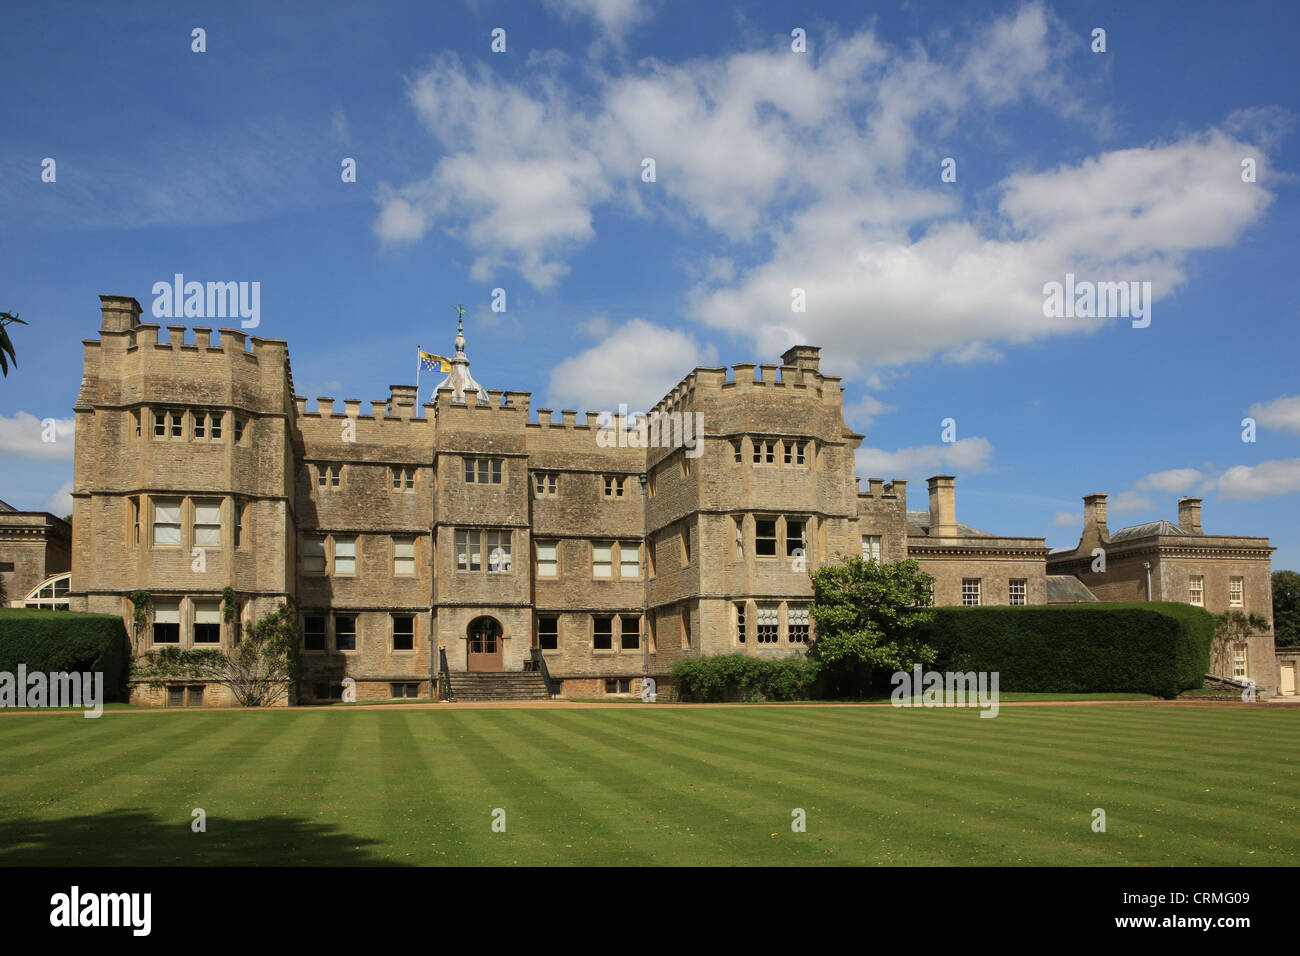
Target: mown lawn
{"points": [[666, 785]]}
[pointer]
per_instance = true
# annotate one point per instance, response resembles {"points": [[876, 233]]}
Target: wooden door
{"points": [[484, 652]]}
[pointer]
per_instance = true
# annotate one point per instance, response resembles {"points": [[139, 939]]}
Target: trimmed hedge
{"points": [[739, 677], [1155, 647], [66, 641]]}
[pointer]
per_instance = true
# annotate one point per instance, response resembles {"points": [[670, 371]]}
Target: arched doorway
{"points": [[484, 651]]}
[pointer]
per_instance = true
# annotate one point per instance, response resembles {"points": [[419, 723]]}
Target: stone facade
{"points": [[970, 566], [465, 534], [1164, 561], [34, 545]]}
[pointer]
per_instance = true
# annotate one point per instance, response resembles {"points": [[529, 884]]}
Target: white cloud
{"points": [[21, 436], [399, 220], [60, 503], [1173, 481], [804, 172], [972, 352], [1068, 519], [552, 59], [876, 296], [515, 172], [961, 457], [866, 410], [613, 17], [635, 365], [1129, 501], [1260, 481], [1282, 413]]}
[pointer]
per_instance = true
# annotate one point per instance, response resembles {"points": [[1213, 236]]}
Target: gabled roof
{"points": [[6, 506], [1067, 589], [918, 523], [1148, 529]]}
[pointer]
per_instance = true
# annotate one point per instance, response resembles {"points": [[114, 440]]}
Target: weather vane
{"points": [[460, 315]]}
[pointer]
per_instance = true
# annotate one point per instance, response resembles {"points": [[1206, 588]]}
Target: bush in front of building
{"points": [[1156, 647], [53, 642], [730, 677], [258, 670], [871, 620]]}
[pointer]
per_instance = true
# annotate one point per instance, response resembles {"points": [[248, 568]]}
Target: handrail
{"points": [[539, 665], [445, 671]]}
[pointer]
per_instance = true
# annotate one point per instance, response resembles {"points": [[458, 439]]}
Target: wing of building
{"points": [[1167, 561], [468, 545]]}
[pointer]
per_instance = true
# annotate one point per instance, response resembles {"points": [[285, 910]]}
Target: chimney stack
{"points": [[1189, 514], [118, 313], [943, 506], [401, 401], [1094, 514], [806, 357]]}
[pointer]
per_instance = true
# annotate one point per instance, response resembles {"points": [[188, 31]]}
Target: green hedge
{"points": [[1156, 647], [739, 677], [64, 642]]}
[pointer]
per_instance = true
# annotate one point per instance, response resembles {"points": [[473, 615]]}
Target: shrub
{"points": [[739, 677], [259, 670], [1154, 647], [870, 619], [64, 642]]}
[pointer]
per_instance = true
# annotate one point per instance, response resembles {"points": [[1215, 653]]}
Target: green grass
{"points": [[668, 785], [886, 698]]}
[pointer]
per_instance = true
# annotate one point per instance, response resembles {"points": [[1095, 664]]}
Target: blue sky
{"points": [[774, 170]]}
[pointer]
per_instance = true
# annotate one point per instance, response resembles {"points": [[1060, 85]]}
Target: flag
{"points": [[433, 363]]}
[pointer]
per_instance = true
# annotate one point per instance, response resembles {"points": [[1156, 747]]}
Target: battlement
{"points": [[568, 420], [879, 488], [501, 401], [151, 336], [799, 373], [381, 410]]}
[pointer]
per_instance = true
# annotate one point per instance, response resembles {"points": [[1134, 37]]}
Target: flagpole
{"points": [[418, 362]]}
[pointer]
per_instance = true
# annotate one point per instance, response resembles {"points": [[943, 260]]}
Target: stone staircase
{"points": [[497, 685]]}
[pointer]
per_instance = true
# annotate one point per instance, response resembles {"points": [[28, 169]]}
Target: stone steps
{"points": [[508, 685]]}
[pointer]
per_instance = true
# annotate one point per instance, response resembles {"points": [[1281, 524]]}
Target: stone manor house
{"points": [[464, 546]]}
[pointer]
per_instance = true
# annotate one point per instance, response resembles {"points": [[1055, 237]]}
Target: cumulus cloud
{"points": [[636, 364], [1281, 413], [866, 410], [400, 219], [1173, 481], [803, 172], [1068, 519], [23, 436], [962, 457], [60, 503], [1264, 480], [515, 179]]}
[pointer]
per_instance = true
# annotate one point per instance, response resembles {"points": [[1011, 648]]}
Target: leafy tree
{"points": [[1231, 627], [262, 666], [259, 669], [870, 617], [1286, 608], [141, 608], [6, 345]]}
